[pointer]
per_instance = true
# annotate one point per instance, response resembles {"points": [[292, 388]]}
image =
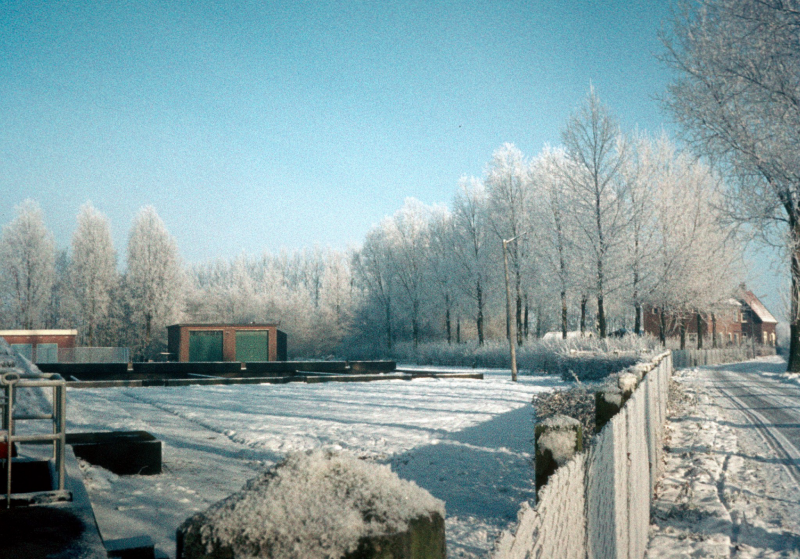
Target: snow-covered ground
{"points": [[468, 442], [731, 488]]}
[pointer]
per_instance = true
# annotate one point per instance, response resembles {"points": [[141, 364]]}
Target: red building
{"points": [[733, 322], [40, 346], [226, 342]]}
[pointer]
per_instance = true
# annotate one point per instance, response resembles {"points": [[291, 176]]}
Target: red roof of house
{"points": [[758, 307]]}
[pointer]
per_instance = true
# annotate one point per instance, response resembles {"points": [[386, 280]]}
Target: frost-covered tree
{"points": [[27, 266], [336, 299], [737, 97], [373, 267], [693, 261], [442, 263], [647, 159], [509, 198], [554, 232], [154, 281], [92, 271], [471, 247], [591, 138], [409, 242]]}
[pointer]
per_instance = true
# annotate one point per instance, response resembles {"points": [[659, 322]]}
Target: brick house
{"points": [[738, 320], [40, 346], [226, 342]]}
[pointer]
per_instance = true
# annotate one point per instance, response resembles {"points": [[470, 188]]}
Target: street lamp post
{"points": [[511, 325]]}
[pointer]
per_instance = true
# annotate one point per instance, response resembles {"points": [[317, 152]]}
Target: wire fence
{"points": [[93, 355]]}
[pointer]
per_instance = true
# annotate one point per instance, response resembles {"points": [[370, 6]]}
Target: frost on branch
{"points": [[319, 505]]}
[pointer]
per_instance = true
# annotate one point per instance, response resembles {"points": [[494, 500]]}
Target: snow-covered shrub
{"points": [[313, 505], [585, 358]]}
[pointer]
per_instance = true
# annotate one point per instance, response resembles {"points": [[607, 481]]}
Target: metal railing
{"points": [[11, 381]]}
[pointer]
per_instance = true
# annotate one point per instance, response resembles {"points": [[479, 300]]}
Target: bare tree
{"points": [[737, 97], [27, 266], [92, 270], [591, 138], [154, 280]]}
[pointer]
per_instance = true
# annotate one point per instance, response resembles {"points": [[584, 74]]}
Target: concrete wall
{"points": [[598, 504]]}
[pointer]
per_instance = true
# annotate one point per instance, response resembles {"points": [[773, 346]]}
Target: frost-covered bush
{"points": [[587, 358], [313, 505], [576, 401]]}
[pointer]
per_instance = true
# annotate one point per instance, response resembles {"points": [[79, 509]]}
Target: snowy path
{"points": [[468, 442], [730, 488], [773, 408]]}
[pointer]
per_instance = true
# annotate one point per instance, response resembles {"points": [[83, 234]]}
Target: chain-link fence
{"points": [[93, 355]]}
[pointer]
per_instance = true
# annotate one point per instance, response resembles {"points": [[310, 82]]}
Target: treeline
{"points": [[595, 230]]}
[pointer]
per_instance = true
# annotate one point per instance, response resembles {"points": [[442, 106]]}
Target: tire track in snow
{"points": [[228, 434], [784, 449]]}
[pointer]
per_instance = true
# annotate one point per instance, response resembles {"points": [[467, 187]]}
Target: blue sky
{"points": [[267, 125]]}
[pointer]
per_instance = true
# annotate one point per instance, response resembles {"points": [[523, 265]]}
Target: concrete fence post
{"points": [[557, 439], [627, 384], [609, 401]]}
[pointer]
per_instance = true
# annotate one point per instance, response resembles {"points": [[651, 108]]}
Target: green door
{"points": [[205, 345], [25, 350], [252, 345], [47, 353]]}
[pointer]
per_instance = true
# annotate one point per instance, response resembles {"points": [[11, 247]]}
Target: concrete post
{"points": [[609, 401], [557, 439], [627, 384]]}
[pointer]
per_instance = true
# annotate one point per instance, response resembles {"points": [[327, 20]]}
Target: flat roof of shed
{"points": [[225, 325], [38, 332]]}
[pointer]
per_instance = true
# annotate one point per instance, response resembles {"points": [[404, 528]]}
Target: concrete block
{"points": [[137, 547], [372, 366], [122, 452], [319, 504]]}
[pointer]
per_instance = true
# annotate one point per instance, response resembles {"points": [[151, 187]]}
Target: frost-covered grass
{"points": [[587, 358]]}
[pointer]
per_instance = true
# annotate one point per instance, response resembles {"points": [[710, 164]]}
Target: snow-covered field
{"points": [[731, 483], [468, 442]]}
